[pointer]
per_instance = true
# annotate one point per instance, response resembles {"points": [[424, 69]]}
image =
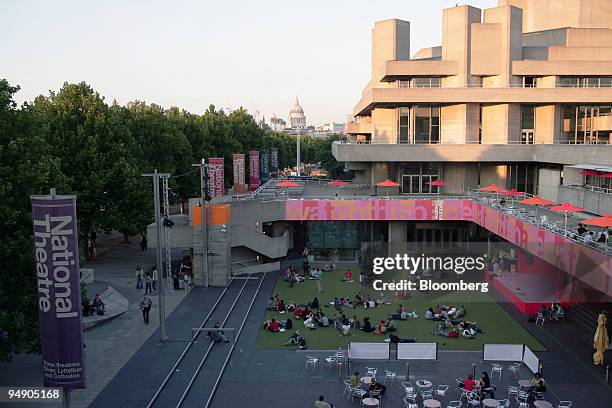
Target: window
{"points": [[585, 82], [418, 124], [527, 116], [425, 82], [403, 133], [529, 82], [417, 176], [422, 120]]}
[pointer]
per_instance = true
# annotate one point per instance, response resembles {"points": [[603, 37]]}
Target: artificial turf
{"points": [[498, 326]]}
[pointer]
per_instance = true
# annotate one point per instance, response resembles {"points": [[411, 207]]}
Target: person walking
{"points": [[147, 281], [187, 281], [319, 277], [145, 306], [139, 277], [143, 242], [154, 279]]}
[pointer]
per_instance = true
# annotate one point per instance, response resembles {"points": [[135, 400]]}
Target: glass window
{"points": [[527, 116], [404, 126], [403, 84], [435, 124], [421, 124], [605, 82]]}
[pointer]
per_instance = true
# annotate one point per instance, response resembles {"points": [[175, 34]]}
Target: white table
{"points": [[423, 383], [524, 383], [366, 380], [488, 402], [371, 402], [432, 403], [542, 404]]}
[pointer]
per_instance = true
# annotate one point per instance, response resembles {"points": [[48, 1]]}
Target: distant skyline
{"points": [[191, 54]]}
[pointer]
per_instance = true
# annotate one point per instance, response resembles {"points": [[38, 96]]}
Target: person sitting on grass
{"points": [[270, 306], [390, 326], [345, 328], [309, 323], [440, 330], [381, 328], [459, 312], [337, 304], [346, 302], [431, 315], [274, 326], [323, 320], [359, 299], [314, 304], [281, 306], [294, 339], [354, 322], [470, 328], [287, 324], [348, 276], [367, 326]]}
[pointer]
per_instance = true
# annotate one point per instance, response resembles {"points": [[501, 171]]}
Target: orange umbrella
{"points": [[387, 183], [437, 183], [288, 183], [536, 200], [337, 183], [567, 207], [492, 188], [512, 193], [604, 222]]}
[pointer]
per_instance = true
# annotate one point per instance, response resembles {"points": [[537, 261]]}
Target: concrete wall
{"points": [[493, 174], [510, 43], [548, 184], [460, 177], [591, 201], [384, 125], [390, 41], [456, 41], [547, 123], [459, 123], [485, 58], [500, 123]]}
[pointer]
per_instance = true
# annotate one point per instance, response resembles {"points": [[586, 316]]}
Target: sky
{"points": [[190, 54]]}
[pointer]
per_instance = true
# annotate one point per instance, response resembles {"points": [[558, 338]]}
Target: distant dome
{"points": [[297, 108]]}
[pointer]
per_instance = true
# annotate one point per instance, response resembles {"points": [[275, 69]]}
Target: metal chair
{"points": [[497, 368], [357, 392], [564, 404], [410, 402], [408, 387], [389, 375], [538, 395], [516, 369], [332, 361], [371, 371], [311, 361], [505, 403], [522, 399], [441, 390], [473, 399], [455, 404], [376, 394], [348, 389], [512, 390], [427, 394]]}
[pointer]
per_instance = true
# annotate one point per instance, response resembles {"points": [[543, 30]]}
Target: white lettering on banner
{"points": [[54, 230]]}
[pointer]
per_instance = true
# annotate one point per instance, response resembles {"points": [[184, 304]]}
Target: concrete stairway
{"points": [[276, 247]]}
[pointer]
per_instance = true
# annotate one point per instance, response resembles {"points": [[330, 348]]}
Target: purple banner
{"points": [[56, 253], [216, 176], [254, 170], [274, 162]]}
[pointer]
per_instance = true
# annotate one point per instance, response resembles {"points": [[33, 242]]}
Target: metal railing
{"points": [[470, 142], [595, 189]]}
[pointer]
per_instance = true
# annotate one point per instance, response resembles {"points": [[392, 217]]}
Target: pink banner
{"points": [[254, 170], [216, 174], [589, 265]]}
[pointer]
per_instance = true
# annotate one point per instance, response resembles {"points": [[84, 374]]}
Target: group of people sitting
{"points": [[482, 387], [354, 380], [96, 306], [445, 312], [589, 236], [468, 330], [554, 313]]}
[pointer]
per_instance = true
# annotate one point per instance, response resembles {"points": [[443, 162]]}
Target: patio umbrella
{"points": [[601, 340], [605, 222], [288, 183], [535, 201], [387, 183], [437, 183], [337, 183], [606, 175], [492, 188], [590, 173], [566, 208], [513, 193]]}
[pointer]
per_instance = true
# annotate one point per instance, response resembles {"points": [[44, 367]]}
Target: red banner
{"points": [[254, 169], [239, 165], [216, 186]]}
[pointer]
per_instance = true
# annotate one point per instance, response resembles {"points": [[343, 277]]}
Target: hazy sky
{"points": [[256, 54]]}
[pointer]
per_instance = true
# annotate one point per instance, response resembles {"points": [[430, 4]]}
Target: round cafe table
{"points": [[431, 403], [542, 404], [488, 402], [423, 383], [524, 383], [371, 402], [366, 380]]}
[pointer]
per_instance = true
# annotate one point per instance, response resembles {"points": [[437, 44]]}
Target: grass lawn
{"points": [[498, 326]]}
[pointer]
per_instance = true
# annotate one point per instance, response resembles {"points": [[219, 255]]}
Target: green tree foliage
{"points": [[75, 141]]}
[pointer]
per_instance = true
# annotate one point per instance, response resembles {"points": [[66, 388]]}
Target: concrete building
{"points": [[519, 95], [277, 124], [330, 128]]}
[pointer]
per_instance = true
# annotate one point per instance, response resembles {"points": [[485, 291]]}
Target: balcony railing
{"points": [[596, 189], [511, 142]]}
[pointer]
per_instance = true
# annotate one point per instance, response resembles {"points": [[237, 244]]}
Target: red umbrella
{"points": [[604, 222], [536, 200], [567, 207], [492, 188], [437, 183], [288, 183], [512, 193], [590, 173], [337, 183], [387, 183], [607, 175]]}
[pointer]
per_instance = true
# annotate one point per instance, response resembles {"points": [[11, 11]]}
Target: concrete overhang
{"points": [[497, 153], [543, 68], [401, 70], [360, 128], [395, 97]]}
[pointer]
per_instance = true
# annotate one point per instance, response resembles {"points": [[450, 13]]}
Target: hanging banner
{"points": [[238, 160], [216, 173], [56, 254], [265, 166], [239, 186], [274, 162], [254, 170]]}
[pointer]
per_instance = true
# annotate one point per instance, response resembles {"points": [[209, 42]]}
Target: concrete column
{"points": [[460, 177], [390, 41], [501, 123], [459, 123], [547, 124], [456, 42], [384, 125], [548, 184], [380, 172]]}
